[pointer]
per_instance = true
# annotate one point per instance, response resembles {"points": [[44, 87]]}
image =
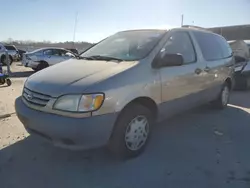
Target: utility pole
{"points": [[182, 18], [74, 34]]}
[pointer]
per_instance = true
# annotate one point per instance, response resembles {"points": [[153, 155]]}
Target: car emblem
{"points": [[30, 96]]}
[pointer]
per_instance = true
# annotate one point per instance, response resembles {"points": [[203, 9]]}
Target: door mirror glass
{"points": [[170, 60]]}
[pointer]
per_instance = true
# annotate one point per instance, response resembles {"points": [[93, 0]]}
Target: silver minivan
{"points": [[116, 91]]}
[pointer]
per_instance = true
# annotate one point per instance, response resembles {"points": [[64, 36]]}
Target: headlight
{"points": [[79, 103]]}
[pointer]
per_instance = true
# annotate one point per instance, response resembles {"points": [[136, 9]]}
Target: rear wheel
{"points": [[131, 132], [222, 101], [42, 65], [34, 69]]}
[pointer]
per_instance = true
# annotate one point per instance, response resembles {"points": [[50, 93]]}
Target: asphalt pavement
{"points": [[202, 148]]}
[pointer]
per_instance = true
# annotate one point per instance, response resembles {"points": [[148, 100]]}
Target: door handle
{"points": [[198, 71], [207, 69]]}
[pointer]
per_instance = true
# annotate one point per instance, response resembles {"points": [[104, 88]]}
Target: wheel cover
{"points": [[225, 95], [137, 133]]}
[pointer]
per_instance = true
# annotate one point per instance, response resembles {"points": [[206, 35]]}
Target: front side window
{"points": [[180, 43], [128, 45]]}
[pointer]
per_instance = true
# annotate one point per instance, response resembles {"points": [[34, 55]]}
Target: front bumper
{"points": [[72, 133]]}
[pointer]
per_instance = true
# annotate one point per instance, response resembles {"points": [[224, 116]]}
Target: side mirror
{"points": [[170, 60]]}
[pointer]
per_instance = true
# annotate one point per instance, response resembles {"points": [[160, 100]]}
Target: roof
{"points": [[141, 30], [186, 27], [48, 48]]}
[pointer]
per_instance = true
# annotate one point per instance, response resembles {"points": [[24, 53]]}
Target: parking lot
{"points": [[200, 148]]}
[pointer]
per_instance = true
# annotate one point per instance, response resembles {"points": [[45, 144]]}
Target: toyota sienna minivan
{"points": [[113, 94]]}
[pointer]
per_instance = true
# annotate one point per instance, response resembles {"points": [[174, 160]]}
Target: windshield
{"points": [[10, 47], [128, 45]]}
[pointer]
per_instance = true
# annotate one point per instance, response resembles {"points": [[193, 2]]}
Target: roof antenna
{"points": [[182, 18], [74, 34]]}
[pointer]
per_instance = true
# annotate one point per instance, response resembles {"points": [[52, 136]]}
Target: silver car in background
{"points": [[45, 57]]}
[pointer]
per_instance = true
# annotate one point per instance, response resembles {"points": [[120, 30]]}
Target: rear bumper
{"points": [[72, 133], [30, 63]]}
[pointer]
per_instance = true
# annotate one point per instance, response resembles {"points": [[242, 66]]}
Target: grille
{"points": [[35, 98]]}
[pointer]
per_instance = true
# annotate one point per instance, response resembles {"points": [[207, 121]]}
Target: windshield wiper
{"points": [[87, 58], [105, 58]]}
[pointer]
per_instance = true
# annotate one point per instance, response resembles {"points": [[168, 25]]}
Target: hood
{"points": [[73, 76]]}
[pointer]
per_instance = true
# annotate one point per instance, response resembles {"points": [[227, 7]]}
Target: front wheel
{"points": [[4, 60], [131, 132], [222, 101]]}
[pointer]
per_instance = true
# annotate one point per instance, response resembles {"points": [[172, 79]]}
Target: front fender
{"points": [[120, 105], [117, 99]]}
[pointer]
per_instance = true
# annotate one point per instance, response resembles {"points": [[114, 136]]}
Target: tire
{"points": [[34, 69], [222, 101], [3, 60], [129, 138], [11, 60], [8, 81], [42, 65]]}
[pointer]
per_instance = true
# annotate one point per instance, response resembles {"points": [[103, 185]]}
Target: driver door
{"points": [[181, 85]]}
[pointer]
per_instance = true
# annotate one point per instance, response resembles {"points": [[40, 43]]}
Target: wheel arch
{"points": [[144, 101], [43, 61], [229, 82], [2, 56]]}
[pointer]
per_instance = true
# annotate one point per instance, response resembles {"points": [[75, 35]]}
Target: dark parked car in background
{"points": [[241, 53], [75, 51], [21, 52]]}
